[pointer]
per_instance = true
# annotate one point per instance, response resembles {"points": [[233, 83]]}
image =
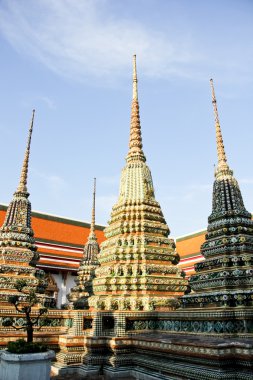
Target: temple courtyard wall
{"points": [[213, 344], [181, 344]]}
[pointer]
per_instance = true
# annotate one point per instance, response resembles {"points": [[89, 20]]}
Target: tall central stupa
{"points": [[138, 261]]}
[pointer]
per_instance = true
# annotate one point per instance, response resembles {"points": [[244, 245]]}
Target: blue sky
{"points": [[71, 60]]}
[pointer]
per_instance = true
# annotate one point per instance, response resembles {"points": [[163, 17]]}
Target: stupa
{"points": [[131, 329], [138, 261], [79, 294], [18, 255], [225, 277]]}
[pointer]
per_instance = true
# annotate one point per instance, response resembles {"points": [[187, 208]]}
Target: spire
{"points": [[137, 253], [223, 279], [222, 167], [80, 293], [91, 248], [92, 234], [226, 193], [23, 177], [135, 81], [135, 142]]}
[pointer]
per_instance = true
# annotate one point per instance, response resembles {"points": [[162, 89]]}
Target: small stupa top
{"points": [[138, 270], [225, 277], [226, 194], [79, 294], [91, 248], [222, 170]]}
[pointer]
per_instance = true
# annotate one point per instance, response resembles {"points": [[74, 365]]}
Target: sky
{"points": [[71, 60]]}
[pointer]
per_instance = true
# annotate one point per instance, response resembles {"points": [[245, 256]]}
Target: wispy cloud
{"points": [[52, 182], [47, 101], [29, 100], [91, 39], [83, 38]]}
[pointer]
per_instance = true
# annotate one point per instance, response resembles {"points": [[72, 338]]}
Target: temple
{"points": [[128, 306]]}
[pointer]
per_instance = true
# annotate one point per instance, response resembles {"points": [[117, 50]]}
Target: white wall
{"points": [[65, 281]]}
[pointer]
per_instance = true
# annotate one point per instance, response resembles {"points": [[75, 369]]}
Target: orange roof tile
{"points": [[58, 229], [190, 245], [60, 241], [46, 229]]}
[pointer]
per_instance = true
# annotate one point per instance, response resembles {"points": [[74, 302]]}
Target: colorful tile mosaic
{"points": [[138, 261], [225, 278], [17, 245], [79, 295]]}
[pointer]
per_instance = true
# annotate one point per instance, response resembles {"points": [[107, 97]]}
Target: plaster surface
{"points": [[26, 366]]}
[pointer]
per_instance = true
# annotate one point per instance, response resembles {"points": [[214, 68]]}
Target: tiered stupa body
{"points": [[225, 278], [79, 294], [138, 261], [18, 255]]}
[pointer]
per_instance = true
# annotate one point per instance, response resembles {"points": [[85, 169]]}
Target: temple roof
{"points": [[59, 240]]}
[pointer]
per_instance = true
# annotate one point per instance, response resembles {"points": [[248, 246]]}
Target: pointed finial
{"points": [[216, 115], [92, 225], [222, 160], [135, 142], [22, 187], [135, 81]]}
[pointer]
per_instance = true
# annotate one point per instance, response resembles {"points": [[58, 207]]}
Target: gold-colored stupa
{"points": [[138, 261]]}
